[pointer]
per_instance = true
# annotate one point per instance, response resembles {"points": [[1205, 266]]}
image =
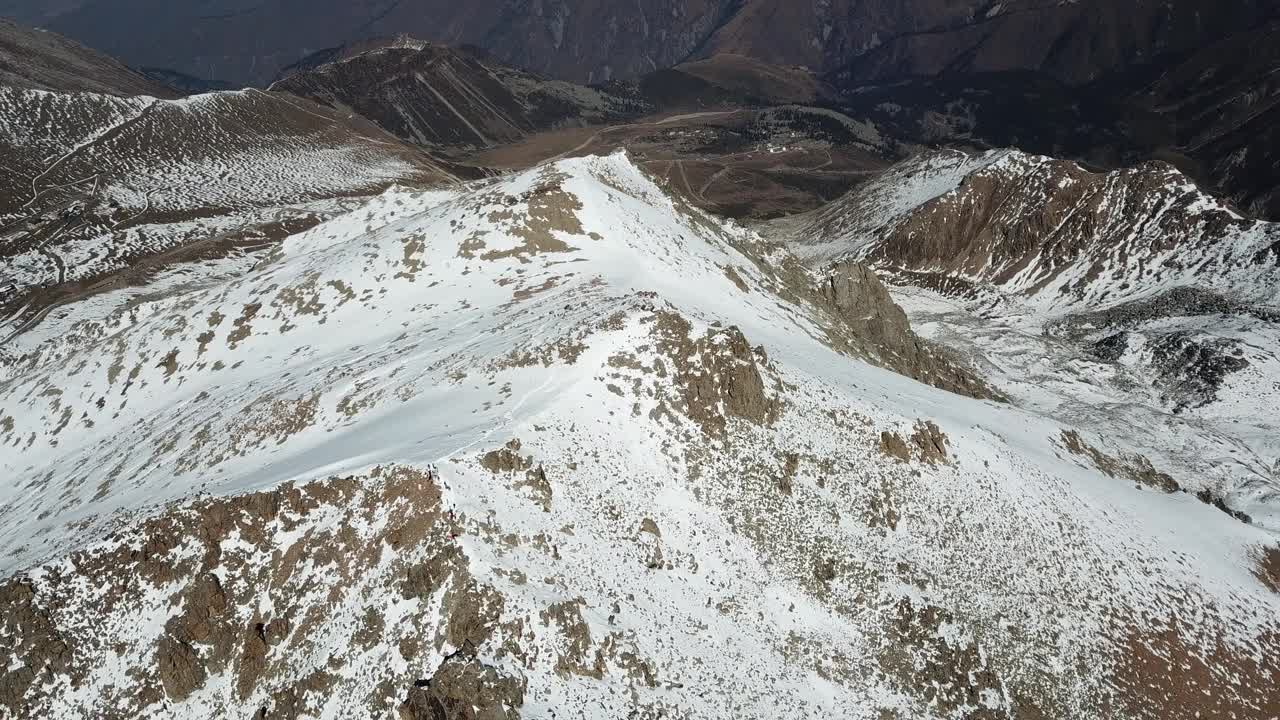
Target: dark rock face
{"points": [[1110, 348], [953, 674], [32, 632], [865, 305], [1223, 104], [463, 688], [1192, 370], [1074, 43], [927, 444], [1186, 301], [718, 374], [1188, 369], [874, 324], [183, 83], [1108, 84], [862, 320], [1268, 570], [1129, 466], [179, 668]]}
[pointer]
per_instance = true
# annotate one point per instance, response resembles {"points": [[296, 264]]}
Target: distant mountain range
{"points": [[1109, 83], [596, 40]]}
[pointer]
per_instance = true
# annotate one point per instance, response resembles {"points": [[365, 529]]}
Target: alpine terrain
{"points": [[417, 385]]}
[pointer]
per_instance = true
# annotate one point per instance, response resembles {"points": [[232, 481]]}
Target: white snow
{"points": [[432, 335]]}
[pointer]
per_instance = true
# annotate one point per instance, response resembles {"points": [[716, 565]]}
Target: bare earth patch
{"points": [[1168, 675], [1268, 570]]}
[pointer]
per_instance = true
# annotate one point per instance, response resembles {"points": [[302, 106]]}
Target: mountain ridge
{"points": [[1077, 79], [520, 557], [583, 41], [117, 184]]}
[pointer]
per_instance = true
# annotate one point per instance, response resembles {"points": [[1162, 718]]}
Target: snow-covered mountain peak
{"points": [[408, 295], [556, 442]]}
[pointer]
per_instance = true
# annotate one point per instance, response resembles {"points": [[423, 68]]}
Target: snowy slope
{"points": [[556, 445], [95, 184], [852, 224], [1130, 302]]}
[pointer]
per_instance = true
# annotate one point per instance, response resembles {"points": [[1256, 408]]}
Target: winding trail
{"points": [[696, 116], [702, 191], [684, 177], [135, 216], [106, 134]]}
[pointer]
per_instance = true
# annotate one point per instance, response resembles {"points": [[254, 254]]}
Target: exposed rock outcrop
{"points": [[248, 590], [718, 374], [1269, 568], [944, 663], [871, 323], [463, 688], [927, 444], [1139, 470], [1127, 465]]}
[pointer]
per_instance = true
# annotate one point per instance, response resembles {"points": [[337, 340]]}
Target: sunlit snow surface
{"points": [[432, 327]]}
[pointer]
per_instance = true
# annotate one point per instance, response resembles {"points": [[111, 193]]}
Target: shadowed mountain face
{"points": [[591, 40], [733, 135], [43, 61], [1107, 83], [37, 13], [1211, 110], [596, 40], [1073, 42], [1223, 102], [446, 98]]}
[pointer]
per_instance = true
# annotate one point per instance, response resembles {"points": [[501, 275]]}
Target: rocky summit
{"points": [[421, 386]]}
